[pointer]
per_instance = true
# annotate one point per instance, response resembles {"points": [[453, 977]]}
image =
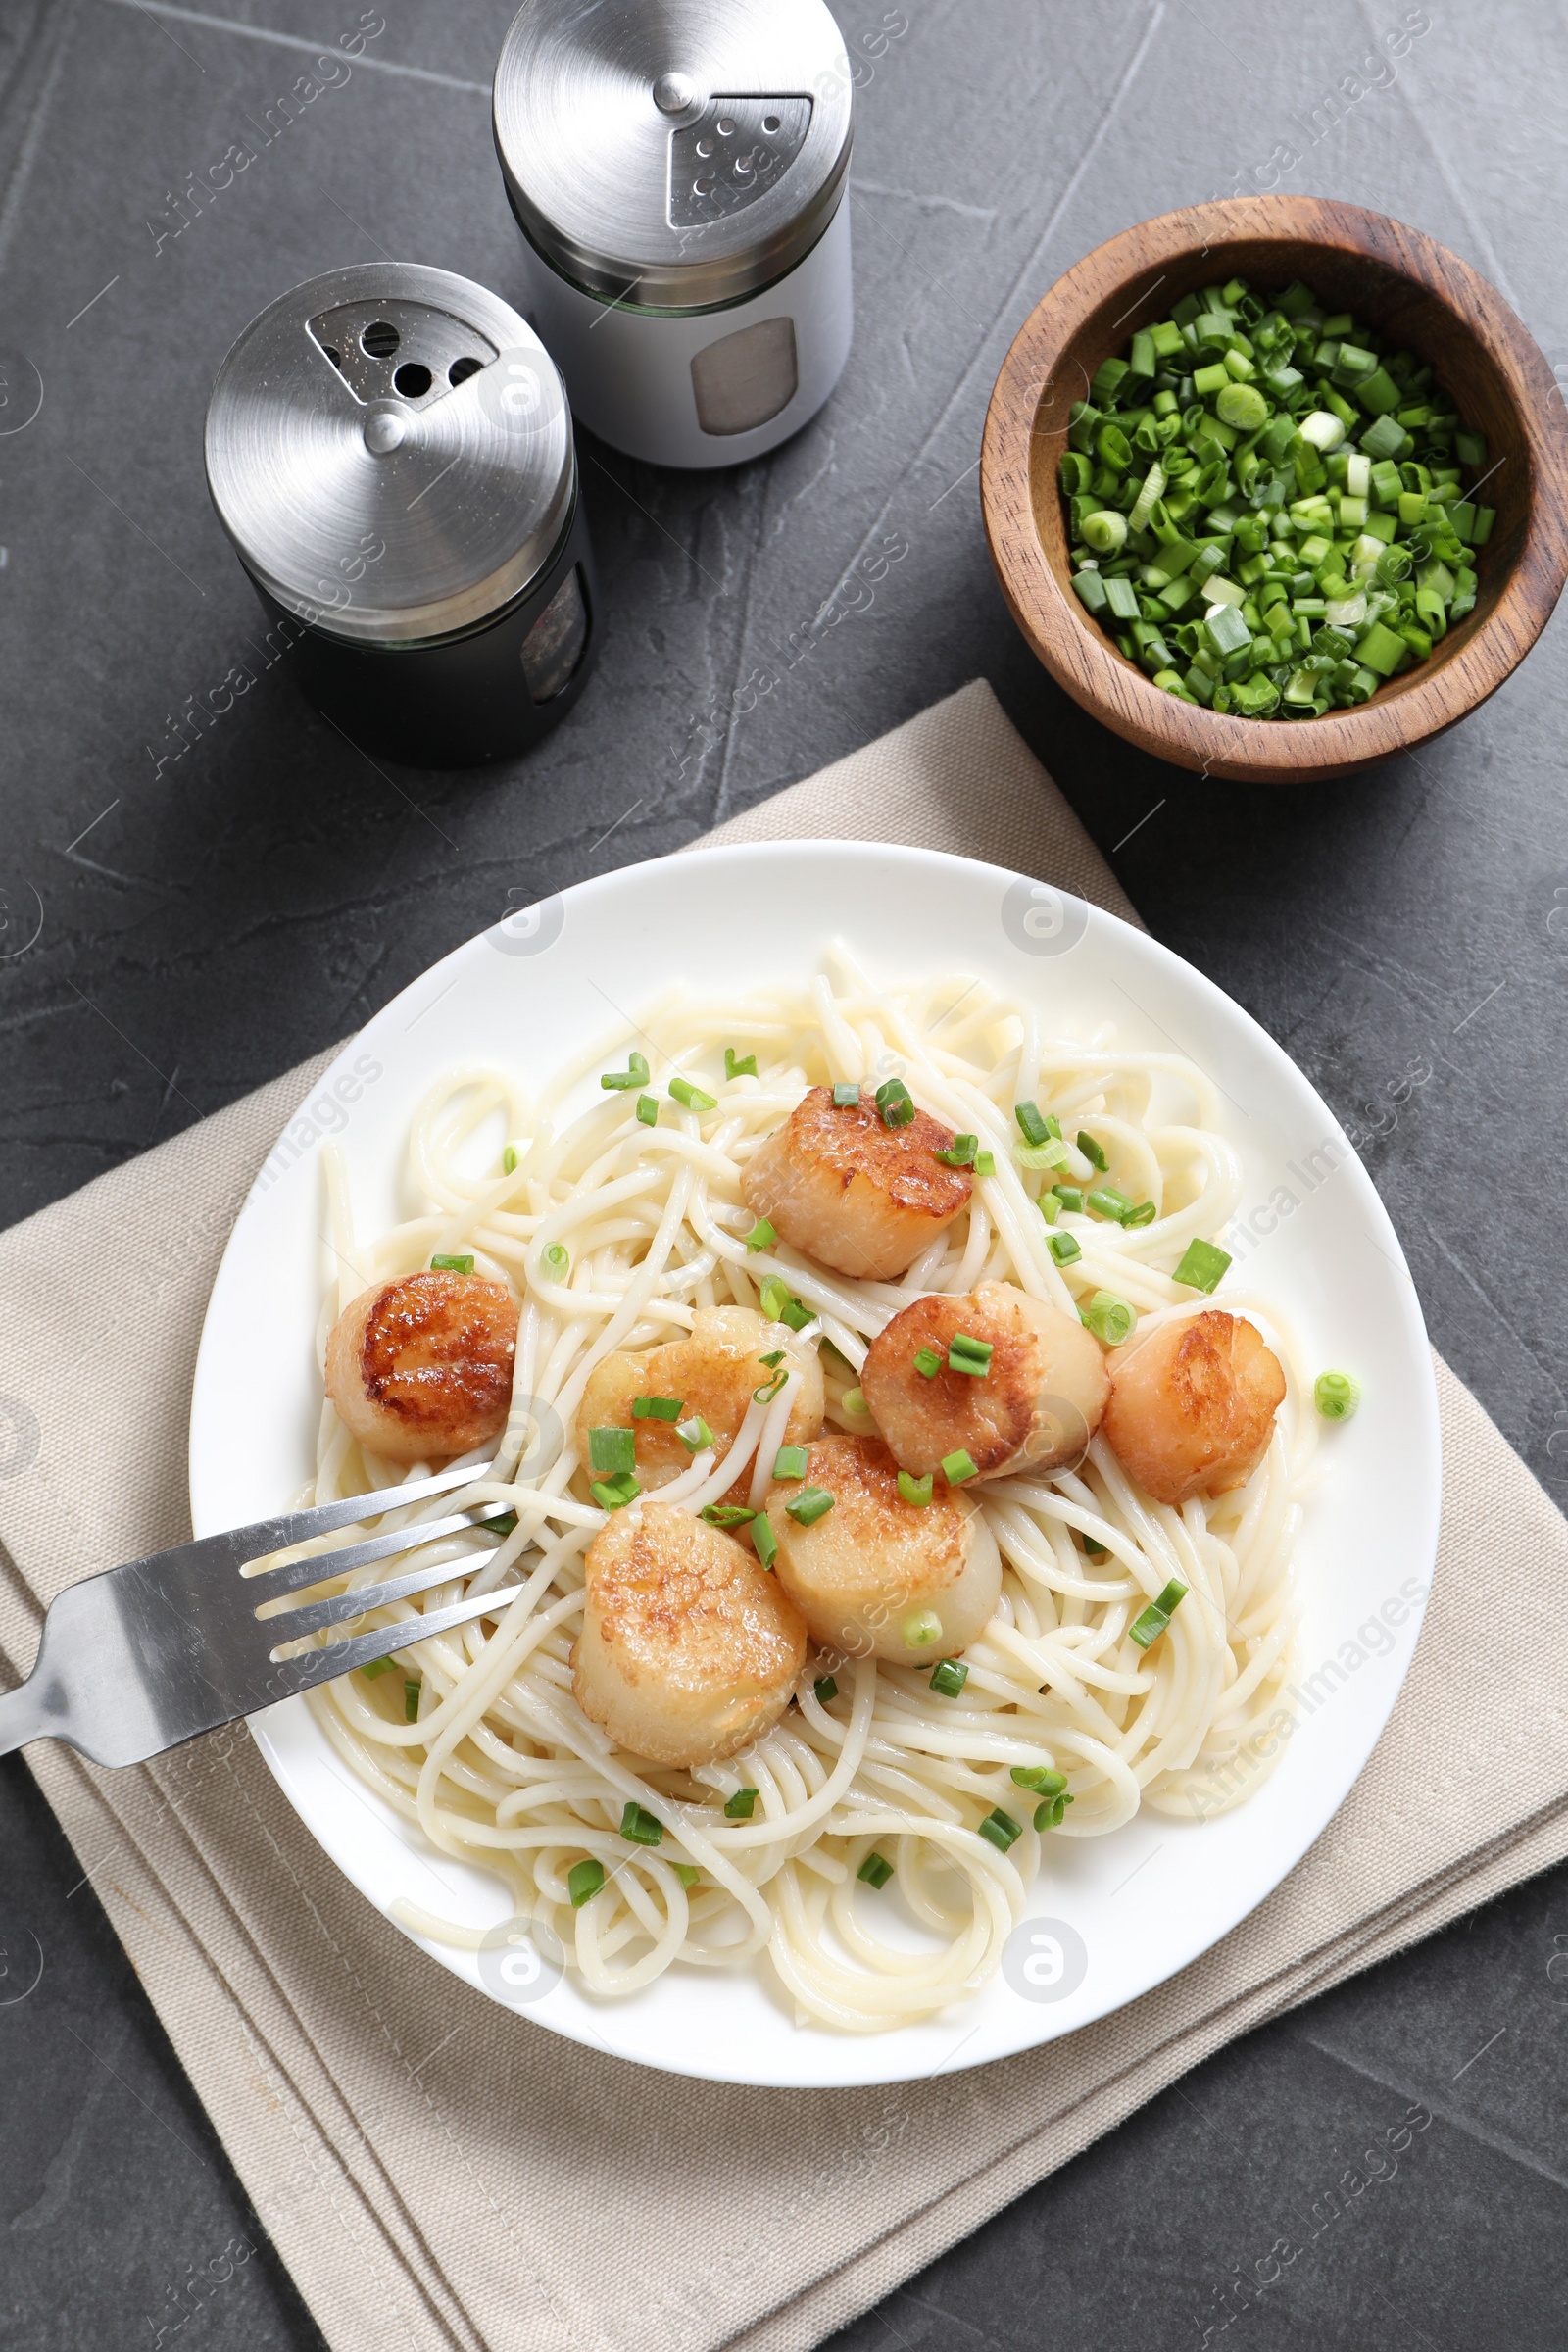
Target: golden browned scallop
{"points": [[1035, 1406], [689, 1650], [422, 1368], [858, 1196], [714, 1373], [1191, 1406], [864, 1570]]}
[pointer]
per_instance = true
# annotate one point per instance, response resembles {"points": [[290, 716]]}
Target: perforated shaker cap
{"points": [[390, 450], [673, 155]]}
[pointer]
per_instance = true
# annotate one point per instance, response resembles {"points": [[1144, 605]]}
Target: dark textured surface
{"points": [[209, 918]]}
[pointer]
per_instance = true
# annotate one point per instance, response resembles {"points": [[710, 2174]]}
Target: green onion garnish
{"points": [[1091, 1150], [875, 1869], [1049, 1207], [1064, 1247], [378, 1666], [648, 1110], [1051, 1154], [694, 1434], [917, 1491], [775, 1297], [583, 1882], [927, 1363], [726, 1514], [1144, 1214], [509, 1161], [1039, 1779], [451, 1264], [656, 1408], [613, 1494], [612, 1450], [762, 1236], [969, 1355], [809, 1505], [764, 1541], [638, 1826], [985, 1163], [620, 1082], [957, 1467], [1048, 1815], [739, 1065], [1158, 1614], [949, 1678], [960, 1153], [775, 1358], [1202, 1266], [1107, 1201], [1336, 1394], [687, 1872], [411, 1701], [1109, 1318], [1033, 1125], [1070, 1196], [502, 1524], [558, 1259], [1094, 1550], [846, 1095], [683, 1090], [1000, 1829], [824, 1688], [854, 1404], [790, 1462], [770, 1388], [893, 1101], [742, 1804], [921, 1629]]}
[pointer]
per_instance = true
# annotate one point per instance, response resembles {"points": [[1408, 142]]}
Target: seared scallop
{"points": [[857, 1196], [874, 1574], [1032, 1404], [1191, 1406], [713, 1374], [688, 1650], [422, 1368]]}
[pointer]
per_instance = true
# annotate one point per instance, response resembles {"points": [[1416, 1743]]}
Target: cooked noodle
{"points": [[503, 1768]]}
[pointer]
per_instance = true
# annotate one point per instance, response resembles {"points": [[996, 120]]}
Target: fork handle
{"points": [[23, 1717]]}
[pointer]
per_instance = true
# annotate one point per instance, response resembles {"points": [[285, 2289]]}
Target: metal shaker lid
{"points": [[390, 450], [673, 154]]}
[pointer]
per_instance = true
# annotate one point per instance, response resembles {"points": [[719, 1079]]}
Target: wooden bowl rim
{"points": [[1114, 690]]}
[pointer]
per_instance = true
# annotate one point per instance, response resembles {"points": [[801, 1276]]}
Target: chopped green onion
{"points": [[809, 1505], [1144, 1214], [764, 1541], [509, 1161], [969, 1355], [558, 1258], [1039, 1779], [1051, 1154], [1336, 1394], [1093, 1548], [742, 1805], [726, 1514], [893, 1101], [769, 1387], [503, 1524], [683, 1090], [1091, 1150], [695, 1434], [961, 1153], [687, 1873], [1033, 1125], [1049, 1814], [583, 1882], [921, 1629], [622, 1081], [846, 1095], [451, 1264], [1109, 1318], [737, 1066], [852, 1401], [612, 1450], [790, 1462], [1105, 532], [985, 1163], [775, 1357], [656, 1408], [1107, 1201], [1152, 1623], [762, 1236], [927, 1363], [1070, 1196], [1049, 1207], [411, 1701], [958, 1466], [775, 1297], [1064, 1247], [638, 1826], [949, 1678], [648, 1110], [1000, 1829], [378, 1666], [613, 1494], [824, 1688], [1202, 1266], [917, 1491], [875, 1869]]}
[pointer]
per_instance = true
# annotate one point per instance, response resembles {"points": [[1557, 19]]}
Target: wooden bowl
{"points": [[1419, 296]]}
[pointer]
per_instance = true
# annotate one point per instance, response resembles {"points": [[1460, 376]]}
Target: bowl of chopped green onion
{"points": [[1276, 488]]}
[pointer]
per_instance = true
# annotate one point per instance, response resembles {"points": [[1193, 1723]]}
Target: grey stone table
{"points": [[195, 896]]}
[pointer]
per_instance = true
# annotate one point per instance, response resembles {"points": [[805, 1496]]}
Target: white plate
{"points": [[1125, 1911]]}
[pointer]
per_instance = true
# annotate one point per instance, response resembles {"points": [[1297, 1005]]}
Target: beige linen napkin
{"points": [[436, 2173]]}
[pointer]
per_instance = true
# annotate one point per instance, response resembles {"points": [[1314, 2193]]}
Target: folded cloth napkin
{"points": [[438, 2174]]}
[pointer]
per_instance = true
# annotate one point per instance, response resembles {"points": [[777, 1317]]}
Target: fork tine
{"points": [[290, 1625], [236, 1545], [293, 1576], [294, 1674]]}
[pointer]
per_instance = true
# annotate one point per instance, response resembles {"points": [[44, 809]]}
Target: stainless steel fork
{"points": [[149, 1655]]}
